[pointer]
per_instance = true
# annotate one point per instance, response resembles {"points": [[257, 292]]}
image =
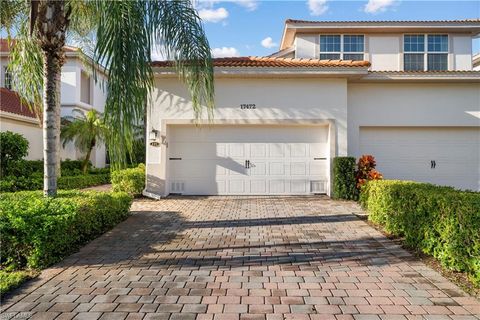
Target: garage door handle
{"points": [[319, 158], [247, 164], [174, 158]]}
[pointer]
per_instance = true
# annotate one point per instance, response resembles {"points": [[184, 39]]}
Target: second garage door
{"points": [[444, 156], [242, 160]]}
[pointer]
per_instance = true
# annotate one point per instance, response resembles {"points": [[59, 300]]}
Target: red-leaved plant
{"points": [[366, 170]]}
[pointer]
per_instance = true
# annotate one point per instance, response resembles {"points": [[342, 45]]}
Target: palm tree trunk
{"points": [[51, 22], [51, 130], [87, 158], [58, 145]]}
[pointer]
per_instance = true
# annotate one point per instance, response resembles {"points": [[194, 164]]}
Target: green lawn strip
{"points": [[10, 280]]}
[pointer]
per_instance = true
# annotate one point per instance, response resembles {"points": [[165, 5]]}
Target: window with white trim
{"points": [[421, 55], [342, 47], [7, 78]]}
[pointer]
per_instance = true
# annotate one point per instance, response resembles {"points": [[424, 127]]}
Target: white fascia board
{"points": [[263, 71], [437, 76]]}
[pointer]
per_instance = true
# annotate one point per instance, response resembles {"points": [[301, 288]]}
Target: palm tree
{"points": [[125, 32], [85, 131]]}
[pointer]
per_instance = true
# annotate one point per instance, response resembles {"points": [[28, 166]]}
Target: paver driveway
{"points": [[242, 258]]}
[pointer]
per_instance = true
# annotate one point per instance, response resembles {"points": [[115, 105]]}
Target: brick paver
{"points": [[235, 258]]}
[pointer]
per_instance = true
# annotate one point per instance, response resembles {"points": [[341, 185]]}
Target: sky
{"points": [[254, 27]]}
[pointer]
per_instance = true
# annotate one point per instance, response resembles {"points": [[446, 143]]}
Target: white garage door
{"points": [[444, 156], [242, 160]]}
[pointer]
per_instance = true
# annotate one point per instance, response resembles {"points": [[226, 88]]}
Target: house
{"points": [[402, 91], [79, 93], [476, 62]]}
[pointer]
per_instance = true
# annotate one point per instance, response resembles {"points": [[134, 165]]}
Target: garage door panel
{"points": [[277, 168], [298, 168], [277, 150], [258, 186], [214, 160], [406, 153]]}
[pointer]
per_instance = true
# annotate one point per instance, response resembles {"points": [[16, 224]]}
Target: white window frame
{"points": [[7, 78], [341, 52], [425, 51]]}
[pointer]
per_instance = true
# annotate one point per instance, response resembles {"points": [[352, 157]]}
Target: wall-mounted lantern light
{"points": [[152, 136]]}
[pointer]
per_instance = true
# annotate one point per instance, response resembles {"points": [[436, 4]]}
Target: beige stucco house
{"points": [[79, 93], [403, 91]]}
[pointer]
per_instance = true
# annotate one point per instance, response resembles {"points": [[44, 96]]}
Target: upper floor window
{"points": [[421, 55], [345, 47], [7, 78]]}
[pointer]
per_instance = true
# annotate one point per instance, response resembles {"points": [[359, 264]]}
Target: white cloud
{"points": [[250, 5], [268, 43], [317, 7], [213, 15], [225, 52], [376, 6]]}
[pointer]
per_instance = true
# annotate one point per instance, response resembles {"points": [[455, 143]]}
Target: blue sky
{"points": [[238, 27]]}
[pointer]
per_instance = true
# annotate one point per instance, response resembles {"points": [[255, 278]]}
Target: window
{"points": [[437, 52], [8, 79], [425, 56], [414, 48], [346, 47], [330, 47], [353, 47]]}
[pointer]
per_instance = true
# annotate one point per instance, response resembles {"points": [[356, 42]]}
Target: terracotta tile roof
{"points": [[462, 21], [5, 46], [10, 102], [269, 62]]}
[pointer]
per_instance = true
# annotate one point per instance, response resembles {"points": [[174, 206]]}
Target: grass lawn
{"points": [[11, 280]]}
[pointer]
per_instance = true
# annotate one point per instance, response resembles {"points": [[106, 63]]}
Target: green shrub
{"points": [[440, 221], [344, 178], [131, 181], [35, 182], [24, 168], [38, 231], [83, 181], [72, 165], [14, 147]]}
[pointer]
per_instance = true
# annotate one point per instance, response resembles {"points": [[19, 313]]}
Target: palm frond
{"points": [[123, 47], [26, 67], [125, 34], [12, 12], [179, 33]]}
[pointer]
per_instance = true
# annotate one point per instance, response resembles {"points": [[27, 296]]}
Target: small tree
{"points": [[86, 132], [13, 146], [366, 170]]}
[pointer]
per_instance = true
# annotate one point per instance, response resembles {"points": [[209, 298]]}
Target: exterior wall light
{"points": [[152, 136]]}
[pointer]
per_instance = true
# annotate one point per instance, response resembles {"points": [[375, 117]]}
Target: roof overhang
{"points": [[405, 76], [292, 27], [274, 72]]}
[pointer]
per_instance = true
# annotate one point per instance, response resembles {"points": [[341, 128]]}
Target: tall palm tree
{"points": [[125, 31], [85, 131]]}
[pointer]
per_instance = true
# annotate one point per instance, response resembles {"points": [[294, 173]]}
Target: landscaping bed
{"points": [[38, 231], [28, 175], [441, 222]]}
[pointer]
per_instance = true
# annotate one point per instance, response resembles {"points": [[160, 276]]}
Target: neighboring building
{"points": [[403, 91], [476, 62], [79, 93]]}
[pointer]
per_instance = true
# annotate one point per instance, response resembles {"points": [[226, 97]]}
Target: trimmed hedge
{"points": [[440, 221], [344, 183], [35, 182], [38, 231], [131, 181]]}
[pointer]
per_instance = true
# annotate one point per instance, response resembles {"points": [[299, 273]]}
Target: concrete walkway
{"points": [[232, 258]]}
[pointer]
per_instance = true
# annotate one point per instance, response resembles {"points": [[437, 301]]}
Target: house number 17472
{"points": [[248, 106]]}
